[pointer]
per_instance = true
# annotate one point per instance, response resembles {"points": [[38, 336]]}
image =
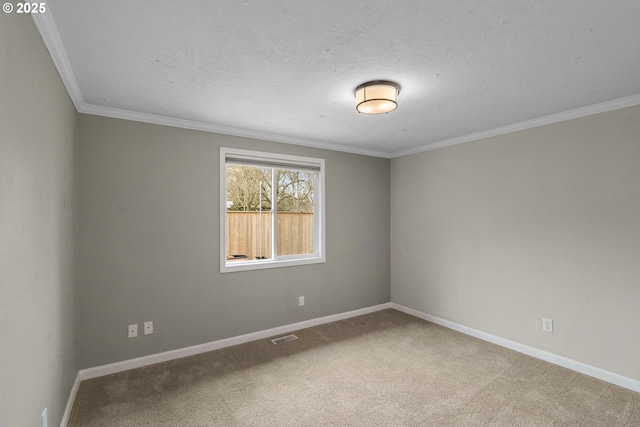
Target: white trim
{"points": [[49, 33], [126, 365], [117, 113], [589, 110], [70, 401], [268, 263], [603, 107], [583, 368]]}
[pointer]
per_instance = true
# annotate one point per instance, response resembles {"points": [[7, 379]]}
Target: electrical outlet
{"points": [[44, 418], [148, 328], [133, 331], [300, 301], [547, 325]]}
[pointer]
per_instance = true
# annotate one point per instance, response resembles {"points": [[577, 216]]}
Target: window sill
{"points": [[239, 265]]}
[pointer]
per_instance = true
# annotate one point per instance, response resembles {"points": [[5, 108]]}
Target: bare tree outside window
{"points": [[294, 192]]}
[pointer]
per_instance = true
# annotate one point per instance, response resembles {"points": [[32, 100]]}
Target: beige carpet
{"points": [[380, 369]]}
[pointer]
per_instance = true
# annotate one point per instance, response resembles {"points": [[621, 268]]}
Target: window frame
{"points": [[274, 160]]}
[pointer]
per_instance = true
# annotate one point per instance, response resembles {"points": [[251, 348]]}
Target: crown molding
{"points": [[602, 107], [51, 37], [117, 113]]}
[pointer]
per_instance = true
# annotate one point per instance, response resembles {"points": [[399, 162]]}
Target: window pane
{"points": [[248, 213], [295, 211]]}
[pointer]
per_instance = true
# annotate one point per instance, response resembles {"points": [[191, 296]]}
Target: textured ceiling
{"points": [[286, 70]]}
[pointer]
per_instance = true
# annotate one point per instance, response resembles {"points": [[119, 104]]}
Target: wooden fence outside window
{"points": [[295, 233]]}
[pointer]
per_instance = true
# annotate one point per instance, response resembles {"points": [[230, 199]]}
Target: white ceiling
{"points": [[286, 70]]}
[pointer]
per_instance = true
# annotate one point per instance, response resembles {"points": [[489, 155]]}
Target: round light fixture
{"points": [[377, 97]]}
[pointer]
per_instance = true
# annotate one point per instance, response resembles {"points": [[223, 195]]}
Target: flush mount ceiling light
{"points": [[377, 97]]}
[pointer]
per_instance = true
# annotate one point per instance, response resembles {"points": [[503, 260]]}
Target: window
{"points": [[272, 210]]}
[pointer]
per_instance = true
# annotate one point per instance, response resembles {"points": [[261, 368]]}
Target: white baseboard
{"points": [[583, 368], [125, 365], [72, 398]]}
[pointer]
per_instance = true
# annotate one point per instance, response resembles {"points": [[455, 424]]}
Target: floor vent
{"points": [[284, 339]]}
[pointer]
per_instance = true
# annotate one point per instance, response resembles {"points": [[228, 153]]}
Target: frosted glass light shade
{"points": [[377, 97]]}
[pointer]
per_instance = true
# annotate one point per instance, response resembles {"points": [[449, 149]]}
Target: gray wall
{"points": [[497, 234], [38, 298], [149, 247]]}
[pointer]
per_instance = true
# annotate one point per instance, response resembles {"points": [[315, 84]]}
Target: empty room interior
{"points": [[454, 237]]}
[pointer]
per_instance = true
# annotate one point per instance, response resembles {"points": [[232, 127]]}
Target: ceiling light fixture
{"points": [[377, 97]]}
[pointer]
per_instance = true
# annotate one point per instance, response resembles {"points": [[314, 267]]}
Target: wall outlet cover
{"points": [[148, 328], [133, 331]]}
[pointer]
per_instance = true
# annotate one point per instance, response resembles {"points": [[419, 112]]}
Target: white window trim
{"points": [[319, 214]]}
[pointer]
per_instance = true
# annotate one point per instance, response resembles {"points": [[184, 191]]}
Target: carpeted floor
{"points": [[380, 369]]}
